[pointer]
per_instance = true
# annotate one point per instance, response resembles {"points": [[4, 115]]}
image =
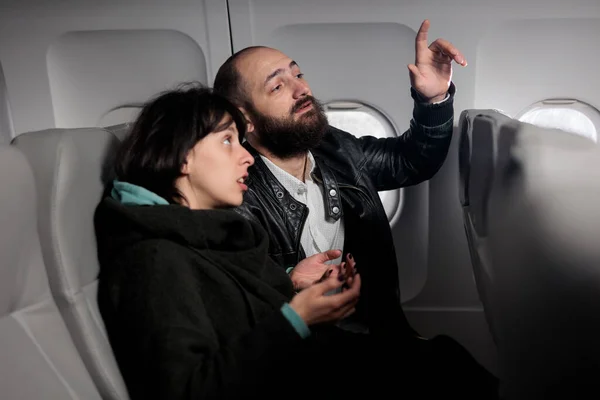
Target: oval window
{"points": [[568, 115], [361, 120]]}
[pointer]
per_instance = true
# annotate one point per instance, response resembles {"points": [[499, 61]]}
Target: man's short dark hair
{"points": [[229, 82]]}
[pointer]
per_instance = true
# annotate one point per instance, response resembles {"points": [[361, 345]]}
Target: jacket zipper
{"points": [[305, 217]]}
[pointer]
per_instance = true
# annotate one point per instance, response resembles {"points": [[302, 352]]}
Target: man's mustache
{"points": [[301, 103]]}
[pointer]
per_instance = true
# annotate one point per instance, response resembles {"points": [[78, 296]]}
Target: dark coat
{"points": [[191, 303]]}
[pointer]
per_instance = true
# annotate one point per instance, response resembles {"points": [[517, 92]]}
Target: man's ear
{"points": [[249, 124]]}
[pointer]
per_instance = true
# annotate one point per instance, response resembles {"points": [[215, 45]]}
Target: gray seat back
{"points": [[477, 157], [37, 356], [544, 239], [121, 130], [71, 167]]}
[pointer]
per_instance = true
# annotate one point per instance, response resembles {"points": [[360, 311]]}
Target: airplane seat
{"points": [[476, 161], [120, 130], [37, 356], [71, 168], [477, 155], [543, 240]]}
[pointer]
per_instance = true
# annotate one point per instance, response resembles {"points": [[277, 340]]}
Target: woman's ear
{"points": [[185, 168], [249, 124]]}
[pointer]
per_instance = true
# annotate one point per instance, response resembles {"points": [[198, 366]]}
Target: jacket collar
{"points": [[321, 174]]}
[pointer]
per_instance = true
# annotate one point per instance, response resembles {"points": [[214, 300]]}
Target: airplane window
{"points": [[361, 120], [357, 122], [6, 125], [569, 115]]}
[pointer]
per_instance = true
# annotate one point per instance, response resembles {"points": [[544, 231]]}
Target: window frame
{"points": [[588, 110], [336, 106], [7, 128]]}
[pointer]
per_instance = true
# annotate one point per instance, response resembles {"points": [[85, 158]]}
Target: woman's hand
{"points": [[314, 306]]}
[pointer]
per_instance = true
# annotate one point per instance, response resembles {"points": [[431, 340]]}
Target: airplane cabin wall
{"points": [[70, 63], [519, 52]]}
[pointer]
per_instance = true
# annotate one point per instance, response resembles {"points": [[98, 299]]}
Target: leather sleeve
{"points": [[417, 154]]}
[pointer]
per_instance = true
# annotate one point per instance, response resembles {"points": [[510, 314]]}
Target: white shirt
{"points": [[319, 233]]}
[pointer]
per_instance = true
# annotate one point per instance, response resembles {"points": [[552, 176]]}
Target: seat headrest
{"points": [[559, 173], [71, 169], [466, 150], [121, 130], [23, 279]]}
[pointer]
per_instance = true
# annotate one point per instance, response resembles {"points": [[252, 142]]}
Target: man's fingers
{"points": [[440, 45], [330, 255], [413, 68], [324, 276], [445, 47], [333, 254], [421, 39]]}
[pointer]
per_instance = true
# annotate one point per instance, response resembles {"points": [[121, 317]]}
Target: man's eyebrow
{"points": [[278, 71]]}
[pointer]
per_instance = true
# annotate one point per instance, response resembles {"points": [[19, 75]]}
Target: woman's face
{"points": [[216, 169]]}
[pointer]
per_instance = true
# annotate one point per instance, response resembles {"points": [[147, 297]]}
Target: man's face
{"points": [[287, 119]]}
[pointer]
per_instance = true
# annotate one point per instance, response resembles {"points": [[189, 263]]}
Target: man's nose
{"points": [[301, 89]]}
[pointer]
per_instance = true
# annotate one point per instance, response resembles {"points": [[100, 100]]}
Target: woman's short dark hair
{"points": [[167, 128]]}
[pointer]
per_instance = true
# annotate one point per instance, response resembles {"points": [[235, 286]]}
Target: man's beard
{"points": [[285, 138]]}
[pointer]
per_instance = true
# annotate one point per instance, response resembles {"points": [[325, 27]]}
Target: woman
{"points": [[193, 306]]}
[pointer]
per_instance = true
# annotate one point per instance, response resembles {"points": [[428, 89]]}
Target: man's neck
{"points": [[295, 166]]}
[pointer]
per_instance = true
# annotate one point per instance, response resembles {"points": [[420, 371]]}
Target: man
{"points": [[314, 187]]}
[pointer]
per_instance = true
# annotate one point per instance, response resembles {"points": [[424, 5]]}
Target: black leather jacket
{"points": [[352, 171]]}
